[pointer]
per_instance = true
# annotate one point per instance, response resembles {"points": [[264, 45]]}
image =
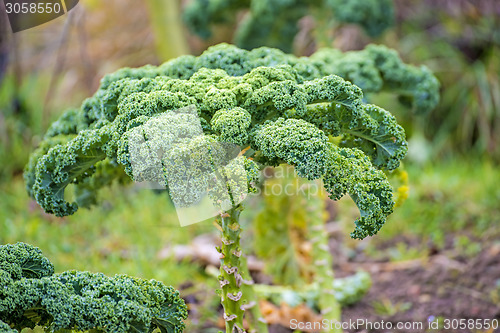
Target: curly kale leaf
{"points": [[378, 68], [5, 328], [350, 172], [24, 261], [378, 135], [232, 124], [272, 23], [344, 170], [367, 127], [295, 142], [200, 15], [67, 124], [66, 164]]}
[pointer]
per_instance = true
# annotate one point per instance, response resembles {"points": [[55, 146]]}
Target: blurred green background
{"points": [[453, 207]]}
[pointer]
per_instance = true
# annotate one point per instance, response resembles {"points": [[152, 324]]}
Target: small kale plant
{"points": [[276, 107], [31, 294]]}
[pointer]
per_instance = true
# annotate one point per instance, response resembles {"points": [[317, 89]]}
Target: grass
{"points": [[386, 308], [450, 197]]}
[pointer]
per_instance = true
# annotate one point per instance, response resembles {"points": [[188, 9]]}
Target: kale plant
{"points": [[278, 108]]}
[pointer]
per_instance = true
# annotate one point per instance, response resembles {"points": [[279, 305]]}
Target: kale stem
{"points": [[256, 322], [230, 270], [324, 275]]}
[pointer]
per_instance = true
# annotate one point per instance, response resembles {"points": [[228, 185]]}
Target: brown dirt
{"points": [[440, 286], [444, 284]]}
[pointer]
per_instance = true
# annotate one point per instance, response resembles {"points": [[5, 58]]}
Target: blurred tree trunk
{"points": [[167, 26]]}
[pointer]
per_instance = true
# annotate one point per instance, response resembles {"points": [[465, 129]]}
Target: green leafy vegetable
{"points": [[31, 294], [172, 122], [262, 108]]}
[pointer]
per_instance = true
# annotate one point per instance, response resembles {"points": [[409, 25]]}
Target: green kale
{"points": [[262, 99], [31, 294]]}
